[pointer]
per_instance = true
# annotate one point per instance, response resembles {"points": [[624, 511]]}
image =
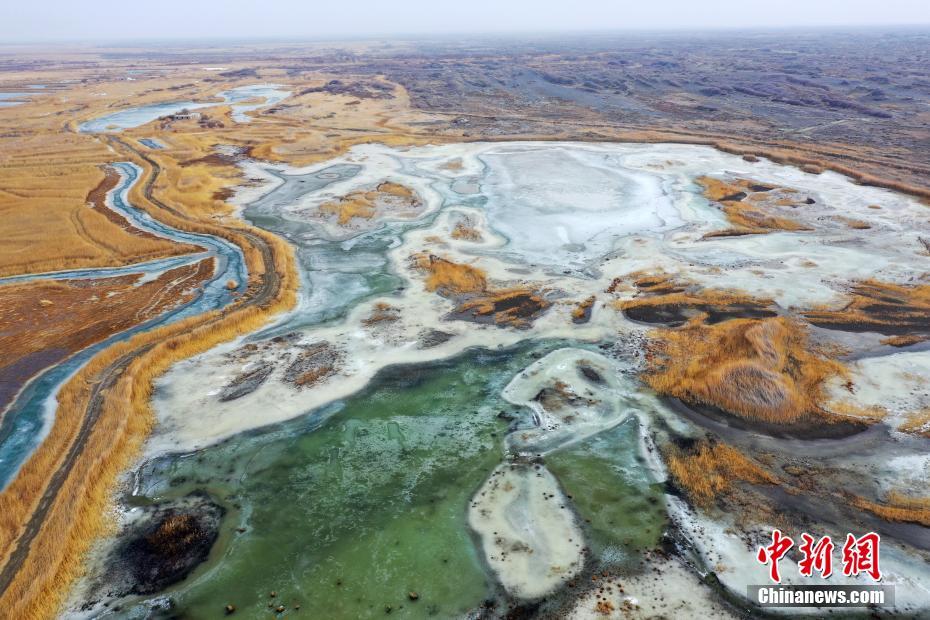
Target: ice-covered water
{"points": [[625, 209], [140, 115], [566, 220], [9, 100]]}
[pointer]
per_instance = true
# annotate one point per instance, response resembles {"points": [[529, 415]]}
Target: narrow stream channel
{"points": [[29, 417]]}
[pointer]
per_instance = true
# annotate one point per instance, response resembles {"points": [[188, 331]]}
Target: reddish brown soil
{"points": [[42, 323], [97, 198]]}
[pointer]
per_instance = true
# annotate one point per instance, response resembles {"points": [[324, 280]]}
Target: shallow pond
{"points": [[347, 510], [136, 116]]}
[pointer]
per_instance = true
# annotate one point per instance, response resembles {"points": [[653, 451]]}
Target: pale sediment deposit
{"points": [[527, 529], [477, 344], [630, 209]]}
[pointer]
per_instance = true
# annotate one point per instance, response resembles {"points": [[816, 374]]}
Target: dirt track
{"points": [[259, 296]]}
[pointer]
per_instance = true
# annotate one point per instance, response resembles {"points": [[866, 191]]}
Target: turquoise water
{"points": [[350, 508]]}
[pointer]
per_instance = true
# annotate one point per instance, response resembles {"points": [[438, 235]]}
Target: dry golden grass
{"points": [[76, 517], [366, 204], [745, 208], [398, 191], [708, 470], [45, 222], [905, 341], [349, 207], [582, 311], [477, 300], [464, 232], [664, 292], [918, 423], [899, 507], [882, 307], [758, 369], [448, 278], [515, 307]]}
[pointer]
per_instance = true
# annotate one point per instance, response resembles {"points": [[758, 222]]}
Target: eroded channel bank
{"points": [[464, 372]]}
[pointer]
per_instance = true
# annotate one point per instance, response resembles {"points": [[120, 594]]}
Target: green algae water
{"points": [[612, 491], [353, 507], [348, 510]]}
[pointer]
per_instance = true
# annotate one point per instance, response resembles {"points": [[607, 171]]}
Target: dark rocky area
{"points": [[429, 338], [247, 382], [316, 362], [160, 548]]}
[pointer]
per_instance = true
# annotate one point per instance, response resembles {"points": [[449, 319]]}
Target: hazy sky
{"points": [[108, 19]]}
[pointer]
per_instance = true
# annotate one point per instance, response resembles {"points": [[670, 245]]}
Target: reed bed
{"points": [[709, 471], [891, 309], [45, 222], [450, 278], [898, 507], [77, 517], [758, 369]]}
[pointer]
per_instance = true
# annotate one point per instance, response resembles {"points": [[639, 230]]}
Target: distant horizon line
{"points": [[134, 41]]}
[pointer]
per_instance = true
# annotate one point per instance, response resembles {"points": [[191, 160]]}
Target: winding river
{"points": [[29, 417]]}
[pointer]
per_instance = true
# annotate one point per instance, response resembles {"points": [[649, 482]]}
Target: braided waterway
{"points": [[380, 450]]}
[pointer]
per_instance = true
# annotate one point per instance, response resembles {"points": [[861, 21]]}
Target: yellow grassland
{"points": [[581, 310], [906, 340], [882, 307], [668, 290], [897, 507], [45, 222], [449, 278], [758, 369], [709, 470], [745, 208], [918, 423], [365, 203], [76, 517]]}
